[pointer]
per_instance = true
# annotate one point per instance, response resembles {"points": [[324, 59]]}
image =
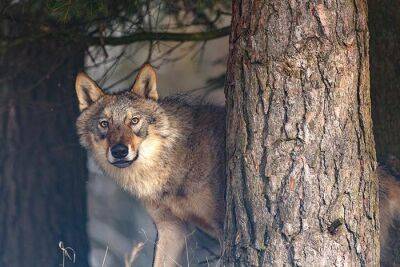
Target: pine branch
{"points": [[161, 36], [123, 40]]}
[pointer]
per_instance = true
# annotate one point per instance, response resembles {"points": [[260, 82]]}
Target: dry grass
{"points": [[130, 258], [67, 253]]}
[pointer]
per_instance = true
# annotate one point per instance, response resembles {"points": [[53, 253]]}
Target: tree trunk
{"points": [[384, 24], [301, 188], [42, 170]]}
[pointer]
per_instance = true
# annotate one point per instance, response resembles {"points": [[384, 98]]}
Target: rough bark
{"points": [[301, 189], [42, 168], [384, 25]]}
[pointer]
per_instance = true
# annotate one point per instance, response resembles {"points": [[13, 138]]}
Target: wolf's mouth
{"points": [[122, 163]]}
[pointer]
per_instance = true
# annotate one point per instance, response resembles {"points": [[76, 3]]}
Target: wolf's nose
{"points": [[119, 151]]}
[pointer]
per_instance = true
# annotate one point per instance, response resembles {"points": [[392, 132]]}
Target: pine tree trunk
{"points": [[301, 186], [42, 170], [384, 24]]}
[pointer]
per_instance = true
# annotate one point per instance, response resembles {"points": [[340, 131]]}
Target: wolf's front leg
{"points": [[171, 238], [170, 243]]}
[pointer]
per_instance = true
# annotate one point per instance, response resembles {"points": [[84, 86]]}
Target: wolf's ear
{"points": [[87, 91], [146, 83]]}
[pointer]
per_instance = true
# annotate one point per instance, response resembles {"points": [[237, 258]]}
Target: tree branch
{"points": [[161, 36], [123, 40]]}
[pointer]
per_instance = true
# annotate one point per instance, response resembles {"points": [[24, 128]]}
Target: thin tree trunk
{"points": [[384, 24], [300, 149], [42, 168]]}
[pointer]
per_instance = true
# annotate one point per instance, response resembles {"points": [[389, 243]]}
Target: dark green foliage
{"points": [[91, 22]]}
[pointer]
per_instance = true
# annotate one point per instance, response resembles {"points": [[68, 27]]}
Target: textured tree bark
{"points": [[301, 188], [42, 168], [384, 25]]}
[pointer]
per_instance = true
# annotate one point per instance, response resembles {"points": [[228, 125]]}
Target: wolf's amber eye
{"points": [[135, 120], [103, 124]]}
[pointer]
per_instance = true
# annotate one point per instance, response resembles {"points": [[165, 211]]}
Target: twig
{"points": [[65, 252], [134, 253], [104, 258], [187, 252]]}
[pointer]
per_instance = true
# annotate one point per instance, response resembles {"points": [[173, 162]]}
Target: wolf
{"points": [[171, 155]]}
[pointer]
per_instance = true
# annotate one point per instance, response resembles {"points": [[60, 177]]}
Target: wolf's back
{"points": [[389, 211]]}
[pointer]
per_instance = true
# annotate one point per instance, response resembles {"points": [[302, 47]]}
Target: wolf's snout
{"points": [[121, 156], [119, 151]]}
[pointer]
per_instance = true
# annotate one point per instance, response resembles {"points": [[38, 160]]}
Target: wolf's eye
{"points": [[103, 124], [135, 120]]}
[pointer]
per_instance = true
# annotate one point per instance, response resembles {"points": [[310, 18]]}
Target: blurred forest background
{"points": [[48, 195], [49, 191]]}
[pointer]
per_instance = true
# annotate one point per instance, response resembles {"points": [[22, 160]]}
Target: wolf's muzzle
{"points": [[119, 151], [121, 156]]}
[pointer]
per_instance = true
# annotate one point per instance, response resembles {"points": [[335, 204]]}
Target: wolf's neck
{"points": [[180, 117]]}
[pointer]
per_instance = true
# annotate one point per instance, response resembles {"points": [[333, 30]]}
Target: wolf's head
{"points": [[119, 129]]}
